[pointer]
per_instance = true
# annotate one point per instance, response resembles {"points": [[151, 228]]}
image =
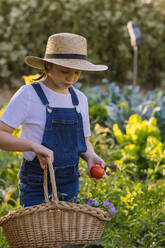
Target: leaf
{"points": [[8, 195]]}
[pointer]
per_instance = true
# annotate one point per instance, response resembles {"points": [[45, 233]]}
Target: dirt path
{"points": [[5, 96]]}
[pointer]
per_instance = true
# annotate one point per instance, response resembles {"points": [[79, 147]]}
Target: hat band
{"points": [[65, 56]]}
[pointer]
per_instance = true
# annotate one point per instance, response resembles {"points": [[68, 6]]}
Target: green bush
{"points": [[9, 167], [26, 25], [122, 103]]}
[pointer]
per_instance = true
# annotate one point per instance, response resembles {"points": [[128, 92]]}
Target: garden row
{"points": [[127, 132]]}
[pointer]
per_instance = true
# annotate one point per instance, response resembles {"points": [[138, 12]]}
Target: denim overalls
{"points": [[64, 135]]}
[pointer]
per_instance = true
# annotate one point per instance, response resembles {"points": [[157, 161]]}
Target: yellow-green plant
{"points": [[142, 151], [30, 79]]}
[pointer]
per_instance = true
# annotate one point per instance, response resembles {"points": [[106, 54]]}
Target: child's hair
{"points": [[43, 73]]}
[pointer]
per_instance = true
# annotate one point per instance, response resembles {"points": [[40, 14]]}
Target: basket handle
{"points": [[52, 180]]}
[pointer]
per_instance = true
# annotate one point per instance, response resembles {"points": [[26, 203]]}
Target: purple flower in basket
{"points": [[90, 202], [107, 204], [112, 210]]}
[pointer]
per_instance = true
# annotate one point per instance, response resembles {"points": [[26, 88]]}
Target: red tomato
{"points": [[97, 171]]}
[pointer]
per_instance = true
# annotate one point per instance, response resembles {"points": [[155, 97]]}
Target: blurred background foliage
{"points": [[26, 25]]}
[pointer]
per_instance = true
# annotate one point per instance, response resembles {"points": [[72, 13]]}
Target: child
{"points": [[54, 121]]}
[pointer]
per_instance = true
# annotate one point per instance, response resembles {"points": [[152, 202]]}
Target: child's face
{"points": [[62, 77]]}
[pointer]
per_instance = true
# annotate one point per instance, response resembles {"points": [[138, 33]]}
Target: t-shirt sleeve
{"points": [[17, 109], [86, 123]]}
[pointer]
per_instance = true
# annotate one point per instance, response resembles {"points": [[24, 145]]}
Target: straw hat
{"points": [[68, 50]]}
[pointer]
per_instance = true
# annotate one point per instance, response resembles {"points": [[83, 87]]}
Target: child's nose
{"points": [[71, 77]]}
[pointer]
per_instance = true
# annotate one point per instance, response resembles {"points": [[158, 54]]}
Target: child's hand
{"points": [[43, 153], [93, 160]]}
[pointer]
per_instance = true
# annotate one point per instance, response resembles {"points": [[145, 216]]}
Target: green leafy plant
{"points": [[140, 204], [142, 151], [97, 113]]}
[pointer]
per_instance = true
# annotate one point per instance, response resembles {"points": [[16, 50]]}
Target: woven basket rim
{"points": [[83, 208]]}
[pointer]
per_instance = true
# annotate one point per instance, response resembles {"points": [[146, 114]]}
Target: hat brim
{"points": [[78, 64]]}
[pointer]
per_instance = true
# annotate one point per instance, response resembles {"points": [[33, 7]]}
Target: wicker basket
{"points": [[53, 223]]}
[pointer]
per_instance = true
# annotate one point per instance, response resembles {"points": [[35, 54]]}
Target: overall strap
{"points": [[40, 93], [74, 97]]}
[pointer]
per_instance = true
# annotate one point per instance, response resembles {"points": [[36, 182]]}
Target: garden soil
{"points": [[5, 96]]}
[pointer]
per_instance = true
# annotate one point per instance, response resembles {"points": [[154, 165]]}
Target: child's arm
{"points": [[91, 157], [9, 142]]}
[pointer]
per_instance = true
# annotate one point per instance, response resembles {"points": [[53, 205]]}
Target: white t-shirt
{"points": [[26, 109]]}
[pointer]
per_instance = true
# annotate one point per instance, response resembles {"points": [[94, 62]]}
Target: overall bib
{"points": [[64, 135]]}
